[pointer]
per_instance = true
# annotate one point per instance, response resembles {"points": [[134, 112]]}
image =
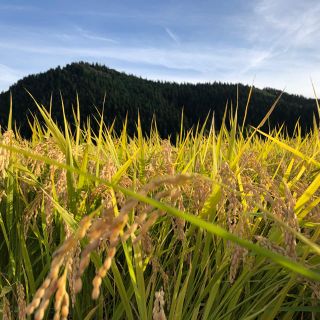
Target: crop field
{"points": [[212, 224]]}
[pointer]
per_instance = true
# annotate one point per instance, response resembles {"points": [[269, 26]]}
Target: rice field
{"points": [[210, 225]]}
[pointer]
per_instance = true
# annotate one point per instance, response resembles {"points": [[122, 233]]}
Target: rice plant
{"points": [[215, 225]]}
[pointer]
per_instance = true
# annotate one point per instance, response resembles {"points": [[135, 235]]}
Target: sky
{"points": [[268, 43]]}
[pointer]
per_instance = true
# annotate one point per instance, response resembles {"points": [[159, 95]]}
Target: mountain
{"points": [[119, 94]]}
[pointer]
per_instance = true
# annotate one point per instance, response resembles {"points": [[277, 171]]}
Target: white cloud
{"points": [[286, 33], [172, 35], [187, 57], [13, 7], [93, 36], [8, 76], [185, 64], [289, 22]]}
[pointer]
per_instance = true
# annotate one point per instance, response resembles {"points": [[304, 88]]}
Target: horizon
{"points": [[266, 43], [155, 80]]}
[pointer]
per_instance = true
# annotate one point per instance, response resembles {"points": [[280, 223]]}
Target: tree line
{"points": [[119, 95]]}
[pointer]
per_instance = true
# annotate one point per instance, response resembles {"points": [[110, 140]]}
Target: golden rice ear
{"points": [[6, 309], [158, 306], [238, 255], [7, 139], [21, 301], [109, 227]]}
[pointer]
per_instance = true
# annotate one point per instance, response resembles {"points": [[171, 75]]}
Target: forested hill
{"points": [[129, 94]]}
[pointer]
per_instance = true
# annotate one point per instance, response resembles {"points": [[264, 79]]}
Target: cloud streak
{"points": [[189, 57], [172, 36], [12, 7], [93, 36]]}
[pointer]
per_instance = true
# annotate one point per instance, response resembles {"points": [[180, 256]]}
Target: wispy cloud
{"points": [[172, 36], [188, 57], [93, 36], [286, 33], [8, 76], [14, 7], [288, 21]]}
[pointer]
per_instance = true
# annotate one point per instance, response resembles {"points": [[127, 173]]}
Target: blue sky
{"points": [[272, 43]]}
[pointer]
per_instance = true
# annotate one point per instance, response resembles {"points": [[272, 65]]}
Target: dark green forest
{"points": [[118, 94]]}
